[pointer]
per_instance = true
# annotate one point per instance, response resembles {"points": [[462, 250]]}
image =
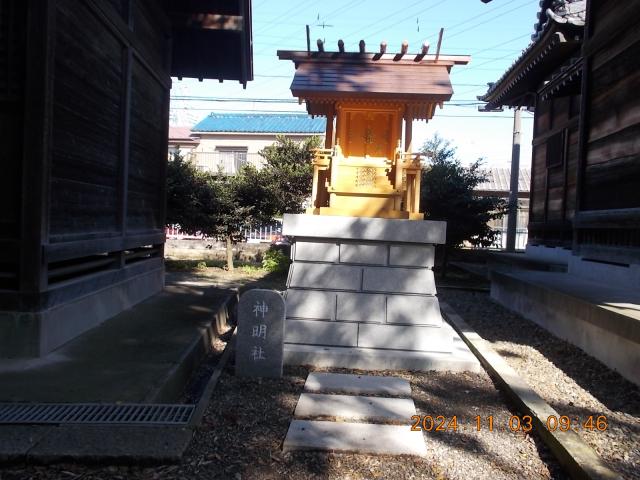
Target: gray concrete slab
{"points": [[602, 321], [353, 407], [459, 360], [17, 440], [361, 228], [399, 280], [316, 252], [413, 310], [361, 307], [324, 276], [354, 437], [112, 444], [367, 254], [412, 255], [310, 304], [313, 332], [129, 358], [404, 337], [357, 384]]}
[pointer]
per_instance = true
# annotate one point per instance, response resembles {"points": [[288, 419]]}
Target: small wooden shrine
{"points": [[365, 169]]}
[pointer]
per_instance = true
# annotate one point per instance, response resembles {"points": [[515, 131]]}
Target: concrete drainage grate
{"points": [[95, 413]]}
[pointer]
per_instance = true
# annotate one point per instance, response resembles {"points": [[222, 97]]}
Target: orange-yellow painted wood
{"points": [[366, 173]]}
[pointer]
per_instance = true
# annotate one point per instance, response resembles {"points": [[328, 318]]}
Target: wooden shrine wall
{"points": [[93, 154], [12, 55], [609, 219], [554, 171]]}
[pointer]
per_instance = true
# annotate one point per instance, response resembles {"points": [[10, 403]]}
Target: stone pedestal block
{"points": [[364, 283]]}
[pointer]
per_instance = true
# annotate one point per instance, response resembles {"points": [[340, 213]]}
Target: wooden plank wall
{"points": [[93, 151], [608, 220], [12, 72], [612, 163], [554, 171]]}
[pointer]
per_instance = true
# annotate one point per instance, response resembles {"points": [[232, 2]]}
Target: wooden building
{"points": [[581, 75], [580, 276], [84, 104], [365, 170]]}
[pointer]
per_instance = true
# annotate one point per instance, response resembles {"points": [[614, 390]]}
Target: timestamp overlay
{"points": [[514, 423]]}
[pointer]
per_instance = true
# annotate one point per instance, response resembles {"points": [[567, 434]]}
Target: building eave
{"points": [[537, 61]]}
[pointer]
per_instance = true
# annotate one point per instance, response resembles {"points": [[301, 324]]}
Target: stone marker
{"points": [[259, 345]]}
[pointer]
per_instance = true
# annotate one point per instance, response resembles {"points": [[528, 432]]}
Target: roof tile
{"points": [[260, 123]]}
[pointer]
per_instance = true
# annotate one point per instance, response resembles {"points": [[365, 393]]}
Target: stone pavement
{"points": [[330, 420], [140, 358], [144, 354]]}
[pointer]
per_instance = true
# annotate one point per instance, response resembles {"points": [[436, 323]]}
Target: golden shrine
{"points": [[368, 168]]}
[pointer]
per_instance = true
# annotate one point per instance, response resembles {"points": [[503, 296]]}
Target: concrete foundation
{"points": [[361, 294], [35, 334], [602, 320]]}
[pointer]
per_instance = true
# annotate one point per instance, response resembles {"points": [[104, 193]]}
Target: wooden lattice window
{"points": [[555, 150]]}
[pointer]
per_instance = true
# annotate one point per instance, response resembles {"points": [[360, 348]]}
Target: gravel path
{"points": [[247, 420], [572, 382]]}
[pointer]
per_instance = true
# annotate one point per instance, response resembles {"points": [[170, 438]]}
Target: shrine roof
{"points": [[408, 77], [556, 38]]}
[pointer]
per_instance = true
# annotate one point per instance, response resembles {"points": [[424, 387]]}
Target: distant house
{"points": [[229, 140], [182, 140], [497, 185]]}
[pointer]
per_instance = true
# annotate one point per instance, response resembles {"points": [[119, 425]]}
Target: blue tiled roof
{"points": [[261, 123]]}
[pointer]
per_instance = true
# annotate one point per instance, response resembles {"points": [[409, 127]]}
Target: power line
{"points": [[441, 115], [194, 98]]}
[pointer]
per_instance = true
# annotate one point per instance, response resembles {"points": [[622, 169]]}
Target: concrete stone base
{"points": [[621, 275], [361, 294], [35, 334], [460, 359], [603, 321]]}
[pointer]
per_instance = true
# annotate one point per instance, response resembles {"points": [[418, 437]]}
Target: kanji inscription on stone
{"points": [[259, 345]]}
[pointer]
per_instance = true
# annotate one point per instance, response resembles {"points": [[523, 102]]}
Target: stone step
{"points": [[357, 384], [354, 438], [356, 407], [459, 360]]}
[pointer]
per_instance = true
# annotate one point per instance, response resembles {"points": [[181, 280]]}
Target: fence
{"points": [[265, 233], [501, 240], [227, 162]]}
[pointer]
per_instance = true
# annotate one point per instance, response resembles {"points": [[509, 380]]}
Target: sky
{"points": [[493, 34]]}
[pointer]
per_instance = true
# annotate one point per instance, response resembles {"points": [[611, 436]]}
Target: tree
{"points": [[218, 205], [186, 189], [243, 201], [447, 193], [289, 171]]}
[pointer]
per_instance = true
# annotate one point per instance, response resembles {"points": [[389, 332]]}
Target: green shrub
{"points": [[275, 261], [201, 266]]}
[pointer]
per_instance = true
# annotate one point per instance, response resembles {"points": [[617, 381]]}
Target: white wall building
{"points": [[228, 140]]}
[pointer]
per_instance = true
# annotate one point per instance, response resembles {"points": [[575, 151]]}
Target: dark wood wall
{"points": [[608, 222], [84, 120], [554, 171], [12, 77]]}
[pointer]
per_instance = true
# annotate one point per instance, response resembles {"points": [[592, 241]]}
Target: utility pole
{"points": [[512, 219]]}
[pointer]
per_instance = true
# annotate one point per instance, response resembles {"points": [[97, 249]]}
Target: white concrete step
{"points": [[355, 407], [357, 384], [459, 360], [354, 438]]}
